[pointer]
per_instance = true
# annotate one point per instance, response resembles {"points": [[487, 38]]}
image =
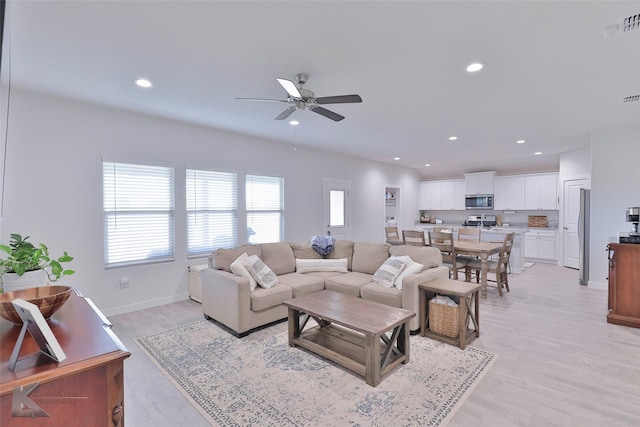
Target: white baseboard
{"points": [[146, 304], [598, 285]]}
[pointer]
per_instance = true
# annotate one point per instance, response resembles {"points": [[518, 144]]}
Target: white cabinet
{"points": [[430, 197], [541, 192], [479, 183], [540, 244], [453, 194], [441, 195], [508, 193]]}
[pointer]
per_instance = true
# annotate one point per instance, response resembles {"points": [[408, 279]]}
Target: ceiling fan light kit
{"points": [[301, 99]]}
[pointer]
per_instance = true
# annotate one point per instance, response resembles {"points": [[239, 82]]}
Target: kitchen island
{"points": [[491, 234]]}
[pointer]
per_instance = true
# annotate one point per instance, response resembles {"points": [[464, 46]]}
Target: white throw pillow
{"points": [[389, 270], [338, 265], [239, 269], [411, 267], [261, 272]]}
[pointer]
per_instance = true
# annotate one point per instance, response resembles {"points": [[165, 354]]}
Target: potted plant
{"points": [[24, 259]]}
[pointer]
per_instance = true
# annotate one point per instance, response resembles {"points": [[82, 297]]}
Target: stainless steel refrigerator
{"points": [[583, 235]]}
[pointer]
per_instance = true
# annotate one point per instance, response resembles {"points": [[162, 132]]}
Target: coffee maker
{"points": [[633, 216]]}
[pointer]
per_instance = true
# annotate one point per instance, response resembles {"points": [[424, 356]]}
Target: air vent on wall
{"points": [[624, 25], [632, 98]]}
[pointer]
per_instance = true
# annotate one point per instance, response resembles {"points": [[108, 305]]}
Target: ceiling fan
{"points": [[300, 99]]}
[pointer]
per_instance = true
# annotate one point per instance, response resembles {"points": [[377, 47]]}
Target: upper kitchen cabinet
{"points": [[430, 197], [453, 193], [479, 182], [541, 191], [442, 195], [508, 193]]}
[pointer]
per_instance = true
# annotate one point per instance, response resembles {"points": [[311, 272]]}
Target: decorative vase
{"points": [[30, 279]]}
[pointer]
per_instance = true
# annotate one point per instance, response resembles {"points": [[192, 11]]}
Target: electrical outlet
{"points": [[124, 282]]}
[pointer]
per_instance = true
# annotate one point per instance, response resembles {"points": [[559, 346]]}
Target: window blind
{"points": [[138, 207], [212, 211], [265, 209]]}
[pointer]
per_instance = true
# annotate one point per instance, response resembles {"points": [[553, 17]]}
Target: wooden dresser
{"points": [[624, 284], [86, 389]]}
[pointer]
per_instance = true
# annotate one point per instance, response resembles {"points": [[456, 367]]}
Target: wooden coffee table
{"points": [[351, 332]]}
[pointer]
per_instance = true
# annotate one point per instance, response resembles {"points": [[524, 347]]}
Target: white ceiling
{"points": [[552, 77]]}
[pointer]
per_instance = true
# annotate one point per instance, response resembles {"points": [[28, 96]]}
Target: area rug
{"points": [[259, 380]]}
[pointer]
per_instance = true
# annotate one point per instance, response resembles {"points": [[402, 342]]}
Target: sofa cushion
{"points": [[382, 294], [221, 259], [426, 255], [304, 251], [265, 298], [368, 257], [278, 256], [239, 268], [309, 265], [302, 284], [387, 273], [261, 272], [342, 249], [348, 284]]}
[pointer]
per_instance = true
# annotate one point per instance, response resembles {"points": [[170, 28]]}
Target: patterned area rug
{"points": [[259, 380]]}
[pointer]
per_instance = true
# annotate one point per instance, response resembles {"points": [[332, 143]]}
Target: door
{"points": [[570, 214], [337, 208]]}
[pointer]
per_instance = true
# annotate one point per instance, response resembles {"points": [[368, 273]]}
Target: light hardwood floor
{"points": [[559, 362]]}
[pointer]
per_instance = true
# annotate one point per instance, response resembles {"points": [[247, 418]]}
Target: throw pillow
{"points": [[239, 269], [387, 273], [411, 267], [261, 272], [309, 265]]}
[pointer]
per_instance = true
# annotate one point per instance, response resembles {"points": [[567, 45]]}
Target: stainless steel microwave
{"points": [[478, 201]]}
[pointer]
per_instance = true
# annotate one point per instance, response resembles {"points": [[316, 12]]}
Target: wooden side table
{"points": [[468, 309]]}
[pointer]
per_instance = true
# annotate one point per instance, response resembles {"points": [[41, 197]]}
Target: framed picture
{"points": [[34, 322]]}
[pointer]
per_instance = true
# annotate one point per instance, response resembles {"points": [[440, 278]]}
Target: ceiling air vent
{"points": [[624, 25], [632, 98]]}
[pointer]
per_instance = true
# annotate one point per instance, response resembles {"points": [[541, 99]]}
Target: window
{"points": [[212, 211], [138, 214], [265, 209]]}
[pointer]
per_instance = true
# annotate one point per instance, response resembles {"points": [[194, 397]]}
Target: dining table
{"points": [[482, 250]]}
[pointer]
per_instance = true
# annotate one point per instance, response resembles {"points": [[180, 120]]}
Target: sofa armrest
{"points": [[410, 294], [226, 298]]}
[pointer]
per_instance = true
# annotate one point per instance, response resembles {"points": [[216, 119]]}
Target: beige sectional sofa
{"points": [[228, 299]]}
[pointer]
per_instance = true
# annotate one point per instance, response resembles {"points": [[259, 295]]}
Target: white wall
{"points": [[615, 186], [53, 187]]}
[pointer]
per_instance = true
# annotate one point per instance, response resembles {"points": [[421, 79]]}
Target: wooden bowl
{"points": [[49, 299]]}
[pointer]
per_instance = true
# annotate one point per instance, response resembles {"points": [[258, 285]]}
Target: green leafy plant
{"points": [[23, 256]]}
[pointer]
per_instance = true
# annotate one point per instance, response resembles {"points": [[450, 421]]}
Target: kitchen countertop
{"points": [[497, 230]]}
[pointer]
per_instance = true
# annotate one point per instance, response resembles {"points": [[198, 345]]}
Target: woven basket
{"points": [[443, 319]]}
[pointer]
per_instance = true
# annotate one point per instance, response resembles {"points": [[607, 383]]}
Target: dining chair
{"points": [[468, 234], [413, 238], [444, 242], [500, 267], [392, 235]]}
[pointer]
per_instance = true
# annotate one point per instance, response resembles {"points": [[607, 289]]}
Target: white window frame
{"points": [[212, 201], [138, 214]]}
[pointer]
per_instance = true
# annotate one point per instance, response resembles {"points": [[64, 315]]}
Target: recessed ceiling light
{"points": [[427, 164], [520, 141], [537, 153], [294, 123], [453, 138], [143, 83], [475, 66], [396, 158]]}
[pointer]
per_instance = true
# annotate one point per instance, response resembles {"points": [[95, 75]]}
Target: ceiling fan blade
{"points": [[340, 99], [286, 113], [291, 88], [263, 100], [324, 112]]}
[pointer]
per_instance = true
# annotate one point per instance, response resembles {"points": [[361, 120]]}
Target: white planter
{"points": [[30, 279]]}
